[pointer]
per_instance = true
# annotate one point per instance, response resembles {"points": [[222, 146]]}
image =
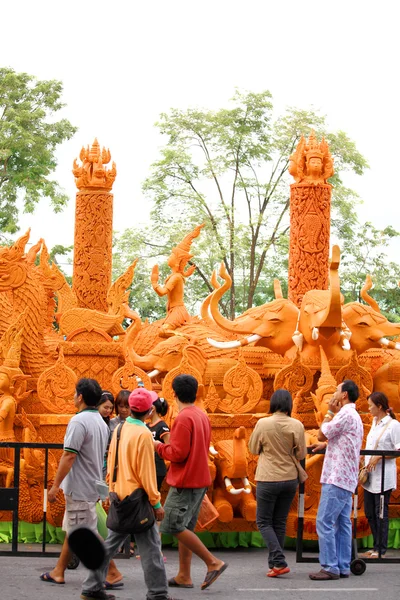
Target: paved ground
{"points": [[244, 580]]}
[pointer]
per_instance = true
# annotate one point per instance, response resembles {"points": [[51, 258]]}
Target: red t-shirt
{"points": [[188, 449]]}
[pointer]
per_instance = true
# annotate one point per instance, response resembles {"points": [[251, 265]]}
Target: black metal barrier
{"points": [[9, 497], [358, 565]]}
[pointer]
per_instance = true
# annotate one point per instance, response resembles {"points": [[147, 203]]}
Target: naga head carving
{"points": [[13, 268]]}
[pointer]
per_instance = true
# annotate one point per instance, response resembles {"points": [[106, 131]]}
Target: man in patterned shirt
{"points": [[341, 433]]}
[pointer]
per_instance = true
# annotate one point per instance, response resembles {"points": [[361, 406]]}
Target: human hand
{"points": [[154, 275], [372, 463], [52, 494], [334, 405], [159, 513], [156, 444], [318, 446]]}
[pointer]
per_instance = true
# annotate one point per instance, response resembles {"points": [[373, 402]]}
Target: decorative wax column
{"points": [[93, 227], [310, 210]]}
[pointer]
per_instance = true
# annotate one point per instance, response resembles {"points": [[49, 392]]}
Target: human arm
{"points": [[255, 442], [179, 446], [328, 428], [147, 470], [300, 449], [166, 437], [67, 460]]}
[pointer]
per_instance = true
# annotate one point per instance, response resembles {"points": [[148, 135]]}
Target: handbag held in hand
{"points": [[133, 514]]}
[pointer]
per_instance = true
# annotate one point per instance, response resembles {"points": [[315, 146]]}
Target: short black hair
{"points": [[106, 396], [281, 401], [185, 387], [90, 391], [349, 386], [161, 406]]}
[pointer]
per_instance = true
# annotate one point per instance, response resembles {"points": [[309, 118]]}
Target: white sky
{"points": [[122, 63]]}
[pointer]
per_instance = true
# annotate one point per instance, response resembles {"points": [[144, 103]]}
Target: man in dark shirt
{"points": [[189, 478]]}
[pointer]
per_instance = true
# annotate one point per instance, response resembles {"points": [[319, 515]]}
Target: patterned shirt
{"points": [[344, 434], [389, 430]]}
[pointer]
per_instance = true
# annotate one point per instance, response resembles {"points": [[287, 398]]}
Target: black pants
{"points": [[273, 503], [371, 507]]}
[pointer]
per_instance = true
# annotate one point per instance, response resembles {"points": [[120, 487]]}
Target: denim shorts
{"points": [[182, 508]]}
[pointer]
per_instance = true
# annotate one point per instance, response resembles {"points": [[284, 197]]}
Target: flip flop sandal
{"points": [[173, 583], [275, 572], [113, 586], [212, 576], [49, 579]]}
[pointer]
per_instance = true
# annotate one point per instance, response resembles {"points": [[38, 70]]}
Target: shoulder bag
{"points": [[363, 474], [133, 514]]}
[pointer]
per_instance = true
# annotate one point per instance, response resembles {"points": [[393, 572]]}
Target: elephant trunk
{"points": [[224, 323]]}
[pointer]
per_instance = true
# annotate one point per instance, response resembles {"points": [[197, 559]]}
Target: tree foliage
{"points": [[228, 168], [364, 254], [29, 136]]}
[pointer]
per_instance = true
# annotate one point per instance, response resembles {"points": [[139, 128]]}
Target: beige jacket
{"points": [[273, 438]]}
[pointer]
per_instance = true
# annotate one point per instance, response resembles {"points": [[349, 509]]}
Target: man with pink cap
{"points": [[136, 469]]}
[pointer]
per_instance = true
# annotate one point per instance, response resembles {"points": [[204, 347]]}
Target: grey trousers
{"points": [[151, 559]]}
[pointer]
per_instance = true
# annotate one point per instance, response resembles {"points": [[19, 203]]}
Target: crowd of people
{"points": [[132, 450]]}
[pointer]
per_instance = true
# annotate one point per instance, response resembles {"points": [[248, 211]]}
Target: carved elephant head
{"points": [[271, 325], [369, 328]]}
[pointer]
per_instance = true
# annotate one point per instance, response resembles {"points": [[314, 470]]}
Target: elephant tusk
{"points": [[315, 333], [213, 451], [153, 373], [247, 486], [234, 344], [232, 490], [389, 344]]}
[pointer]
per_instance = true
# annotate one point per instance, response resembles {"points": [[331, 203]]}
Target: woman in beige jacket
{"points": [[279, 441]]}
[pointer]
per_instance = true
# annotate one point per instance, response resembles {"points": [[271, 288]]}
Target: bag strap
{"points": [[114, 478], [381, 434]]}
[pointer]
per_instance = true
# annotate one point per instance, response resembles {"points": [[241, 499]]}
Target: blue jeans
{"points": [[334, 529], [273, 503]]}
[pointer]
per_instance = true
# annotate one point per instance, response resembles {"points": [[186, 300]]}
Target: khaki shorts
{"points": [[79, 513], [182, 508]]}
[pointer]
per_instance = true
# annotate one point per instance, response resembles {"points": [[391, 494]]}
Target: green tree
{"points": [[228, 168], [29, 136], [364, 254]]}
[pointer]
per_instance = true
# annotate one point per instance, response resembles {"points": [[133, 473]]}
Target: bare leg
{"points": [[185, 561], [113, 574], [193, 544], [59, 570]]}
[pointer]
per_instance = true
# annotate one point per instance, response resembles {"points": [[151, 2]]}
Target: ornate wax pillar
{"points": [[93, 227], [310, 207]]}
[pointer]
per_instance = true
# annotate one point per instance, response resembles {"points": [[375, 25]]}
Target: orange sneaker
{"points": [[275, 572]]}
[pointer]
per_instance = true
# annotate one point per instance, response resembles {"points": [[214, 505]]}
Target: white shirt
{"points": [[390, 440]]}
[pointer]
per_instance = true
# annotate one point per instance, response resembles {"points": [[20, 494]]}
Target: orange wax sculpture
{"points": [[52, 334]]}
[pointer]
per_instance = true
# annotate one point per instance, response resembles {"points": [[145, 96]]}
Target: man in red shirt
{"points": [[189, 478]]}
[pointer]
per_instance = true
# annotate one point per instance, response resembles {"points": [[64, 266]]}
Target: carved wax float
{"points": [[287, 343]]}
